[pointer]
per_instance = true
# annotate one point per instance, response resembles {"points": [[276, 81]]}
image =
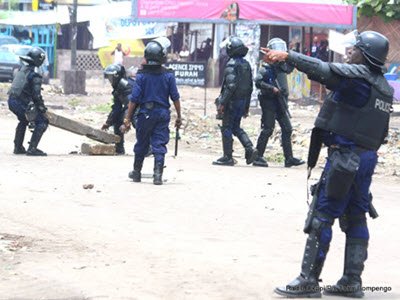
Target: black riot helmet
{"points": [[114, 73], [277, 44], [374, 46], [155, 52], [35, 56], [235, 47]]}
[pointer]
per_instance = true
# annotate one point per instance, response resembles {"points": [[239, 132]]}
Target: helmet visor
{"points": [[351, 39], [278, 45], [163, 41], [112, 77], [224, 43]]}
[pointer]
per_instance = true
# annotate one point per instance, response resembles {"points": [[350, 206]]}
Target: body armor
{"points": [[20, 89], [265, 79], [122, 91], [238, 83], [366, 126]]}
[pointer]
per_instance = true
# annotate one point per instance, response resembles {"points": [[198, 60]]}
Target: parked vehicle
{"points": [[9, 65], [8, 40], [10, 62]]}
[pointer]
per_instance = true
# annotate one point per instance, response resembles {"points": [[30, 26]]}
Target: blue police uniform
{"points": [[353, 122], [20, 94], [235, 97], [274, 107], [151, 93], [18, 107], [354, 92], [235, 115]]}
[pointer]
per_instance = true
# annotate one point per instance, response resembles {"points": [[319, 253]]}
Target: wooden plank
{"points": [[82, 129]]}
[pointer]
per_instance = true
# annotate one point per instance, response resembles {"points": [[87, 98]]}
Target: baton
{"points": [[176, 141]]}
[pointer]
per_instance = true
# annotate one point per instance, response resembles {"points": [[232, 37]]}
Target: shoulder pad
{"points": [[382, 85], [124, 87], [167, 70], [123, 83], [231, 62], [363, 72], [351, 70]]}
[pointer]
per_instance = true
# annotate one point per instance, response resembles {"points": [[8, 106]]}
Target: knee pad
{"points": [[266, 133], [42, 126], [318, 224]]}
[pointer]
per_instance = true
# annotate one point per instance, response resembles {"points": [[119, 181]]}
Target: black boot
{"points": [[261, 145], [260, 162], [226, 159], [350, 285], [135, 175], [307, 284], [251, 153], [35, 139], [158, 171], [19, 139], [290, 161], [119, 147]]}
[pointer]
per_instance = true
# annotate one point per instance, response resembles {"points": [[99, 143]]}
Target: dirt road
{"points": [[208, 233]]}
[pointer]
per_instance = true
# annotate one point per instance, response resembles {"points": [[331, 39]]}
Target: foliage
{"points": [[387, 10], [279, 157], [75, 102], [14, 6], [101, 108]]}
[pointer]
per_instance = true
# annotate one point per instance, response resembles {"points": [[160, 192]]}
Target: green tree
{"points": [[387, 10]]}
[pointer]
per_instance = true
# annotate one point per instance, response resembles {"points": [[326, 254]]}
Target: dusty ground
{"points": [[208, 233]]}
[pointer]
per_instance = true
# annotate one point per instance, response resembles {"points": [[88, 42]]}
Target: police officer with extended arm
{"points": [[122, 89], [154, 86], [234, 102], [353, 123], [25, 101], [271, 80]]}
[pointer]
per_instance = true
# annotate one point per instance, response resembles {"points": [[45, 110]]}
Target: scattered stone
{"points": [[88, 186]]}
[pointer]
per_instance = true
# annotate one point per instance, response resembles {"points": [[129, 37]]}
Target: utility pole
{"points": [[73, 81], [74, 32]]}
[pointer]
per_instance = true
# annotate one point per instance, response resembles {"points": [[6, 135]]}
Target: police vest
{"points": [[243, 80], [366, 126], [20, 89]]}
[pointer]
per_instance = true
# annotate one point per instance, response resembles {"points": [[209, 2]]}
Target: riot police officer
{"points": [[26, 102], [234, 102], [154, 86], [122, 89], [271, 80], [353, 123]]}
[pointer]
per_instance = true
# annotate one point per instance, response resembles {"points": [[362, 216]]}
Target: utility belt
{"points": [[151, 105]]}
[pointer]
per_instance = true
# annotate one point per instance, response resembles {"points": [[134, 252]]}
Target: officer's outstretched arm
{"points": [[315, 68]]}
